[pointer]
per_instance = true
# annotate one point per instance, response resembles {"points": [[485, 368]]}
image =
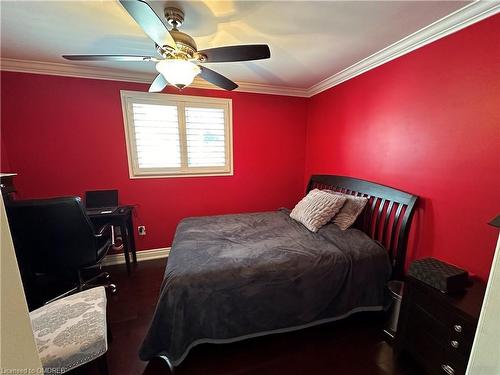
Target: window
{"points": [[177, 135]]}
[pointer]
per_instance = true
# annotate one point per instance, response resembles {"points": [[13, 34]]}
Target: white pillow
{"points": [[317, 208], [350, 210]]}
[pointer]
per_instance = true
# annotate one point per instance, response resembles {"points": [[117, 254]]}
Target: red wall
{"points": [[4, 158], [427, 123], [65, 135]]}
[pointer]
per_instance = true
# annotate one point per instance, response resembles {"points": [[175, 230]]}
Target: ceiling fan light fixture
{"points": [[179, 73], [178, 50]]}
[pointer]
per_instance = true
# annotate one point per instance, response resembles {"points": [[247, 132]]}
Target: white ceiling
{"points": [[309, 40]]}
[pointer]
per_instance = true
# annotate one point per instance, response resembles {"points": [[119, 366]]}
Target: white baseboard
{"points": [[142, 255]]}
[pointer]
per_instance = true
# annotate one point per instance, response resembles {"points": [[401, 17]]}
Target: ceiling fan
{"points": [[179, 60]]}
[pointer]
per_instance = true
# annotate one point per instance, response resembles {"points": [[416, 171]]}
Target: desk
{"points": [[121, 217]]}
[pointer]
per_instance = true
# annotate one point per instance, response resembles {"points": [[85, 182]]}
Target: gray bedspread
{"points": [[232, 277]]}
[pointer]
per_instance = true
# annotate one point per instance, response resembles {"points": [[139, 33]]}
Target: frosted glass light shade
{"points": [[179, 73]]}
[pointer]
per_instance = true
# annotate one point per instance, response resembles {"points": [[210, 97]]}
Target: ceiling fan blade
{"points": [[217, 79], [149, 21], [158, 84], [108, 58], [237, 53]]}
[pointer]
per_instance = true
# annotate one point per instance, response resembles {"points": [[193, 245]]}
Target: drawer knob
{"points": [[457, 327], [454, 343], [448, 369]]}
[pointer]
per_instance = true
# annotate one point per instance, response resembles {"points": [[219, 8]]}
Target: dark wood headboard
{"points": [[386, 217]]}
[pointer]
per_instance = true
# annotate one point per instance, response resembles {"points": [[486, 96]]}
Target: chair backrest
{"points": [[52, 235]]}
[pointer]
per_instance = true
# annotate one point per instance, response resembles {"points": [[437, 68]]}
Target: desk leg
{"points": [[125, 238], [131, 238]]}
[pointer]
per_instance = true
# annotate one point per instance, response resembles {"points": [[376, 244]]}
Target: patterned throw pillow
{"points": [[349, 211], [317, 208]]}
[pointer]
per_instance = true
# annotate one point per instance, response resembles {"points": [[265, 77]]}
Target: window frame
{"points": [[128, 98]]}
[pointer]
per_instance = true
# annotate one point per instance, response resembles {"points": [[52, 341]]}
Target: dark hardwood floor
{"points": [[353, 346]]}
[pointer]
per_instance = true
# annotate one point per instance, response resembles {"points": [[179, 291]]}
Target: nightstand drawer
{"points": [[462, 329], [438, 329], [457, 365], [459, 346], [429, 341], [427, 299], [426, 324], [426, 348]]}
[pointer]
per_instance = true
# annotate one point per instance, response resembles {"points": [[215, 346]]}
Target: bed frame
{"points": [[386, 217]]}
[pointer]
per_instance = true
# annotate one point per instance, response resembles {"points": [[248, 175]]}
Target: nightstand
{"points": [[437, 329]]}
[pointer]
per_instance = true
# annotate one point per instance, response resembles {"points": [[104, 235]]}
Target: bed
{"points": [[233, 277]]}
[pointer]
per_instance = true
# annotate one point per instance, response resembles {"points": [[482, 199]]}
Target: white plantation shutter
{"points": [[156, 129], [205, 137], [172, 135]]}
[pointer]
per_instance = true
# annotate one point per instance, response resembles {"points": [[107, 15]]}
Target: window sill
{"points": [[180, 175]]}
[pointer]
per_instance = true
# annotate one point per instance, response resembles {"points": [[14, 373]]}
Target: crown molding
{"points": [[256, 88], [69, 70], [82, 71], [461, 18], [449, 24]]}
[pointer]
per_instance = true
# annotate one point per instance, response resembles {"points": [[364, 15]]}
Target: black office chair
{"points": [[54, 237]]}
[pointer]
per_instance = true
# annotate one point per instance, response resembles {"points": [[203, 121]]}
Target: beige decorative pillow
{"points": [[349, 211], [317, 208]]}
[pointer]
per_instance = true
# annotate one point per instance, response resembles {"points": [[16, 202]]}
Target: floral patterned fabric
{"points": [[71, 331]]}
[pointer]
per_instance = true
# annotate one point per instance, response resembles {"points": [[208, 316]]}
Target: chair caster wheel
{"points": [[106, 275]]}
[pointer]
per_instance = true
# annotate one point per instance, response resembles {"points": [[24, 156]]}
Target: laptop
{"points": [[101, 201]]}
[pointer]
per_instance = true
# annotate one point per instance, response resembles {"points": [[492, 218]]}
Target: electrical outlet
{"points": [[142, 230]]}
